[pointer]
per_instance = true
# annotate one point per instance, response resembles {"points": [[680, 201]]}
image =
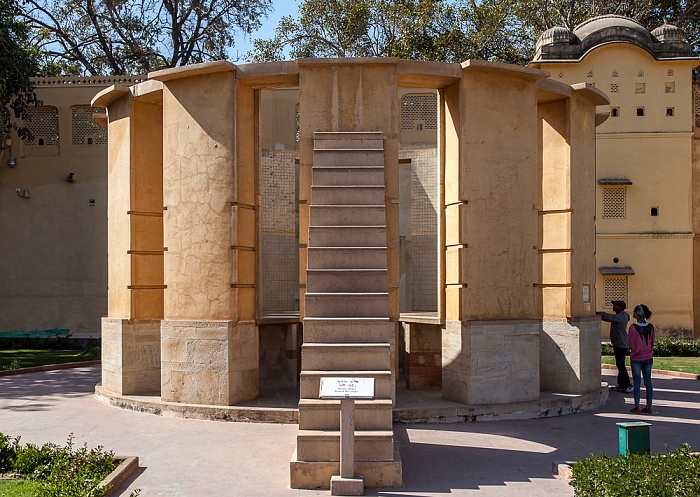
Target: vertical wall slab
{"points": [[130, 340], [490, 349], [210, 347], [571, 331]]}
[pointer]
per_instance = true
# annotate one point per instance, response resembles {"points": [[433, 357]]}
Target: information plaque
{"points": [[347, 388]]}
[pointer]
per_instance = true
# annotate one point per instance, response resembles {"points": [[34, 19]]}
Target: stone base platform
{"points": [[412, 406]]}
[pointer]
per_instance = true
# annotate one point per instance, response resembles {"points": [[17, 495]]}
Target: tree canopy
{"points": [[18, 62], [91, 37], [451, 31]]}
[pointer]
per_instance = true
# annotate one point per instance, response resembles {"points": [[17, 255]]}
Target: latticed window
{"points": [[640, 88], [43, 125], [640, 73], [670, 87], [670, 72], [614, 88], [84, 128], [615, 289], [614, 200], [419, 112], [590, 74], [615, 73]]}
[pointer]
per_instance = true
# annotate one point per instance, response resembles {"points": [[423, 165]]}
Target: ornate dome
{"points": [[558, 35], [669, 33], [608, 26]]}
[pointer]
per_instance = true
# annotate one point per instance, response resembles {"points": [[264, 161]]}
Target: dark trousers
{"points": [[623, 378]]}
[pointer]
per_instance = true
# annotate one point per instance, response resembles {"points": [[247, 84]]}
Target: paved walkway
{"points": [[185, 457]]}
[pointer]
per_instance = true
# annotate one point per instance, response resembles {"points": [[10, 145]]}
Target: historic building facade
{"points": [[312, 208], [648, 189]]}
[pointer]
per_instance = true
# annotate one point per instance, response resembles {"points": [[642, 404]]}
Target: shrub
{"points": [[667, 347], [661, 475], [60, 471]]}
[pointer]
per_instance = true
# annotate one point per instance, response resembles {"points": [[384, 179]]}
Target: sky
{"points": [[280, 8]]}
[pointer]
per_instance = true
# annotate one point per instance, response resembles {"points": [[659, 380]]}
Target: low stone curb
{"points": [[121, 473], [49, 367], [563, 470], [677, 374]]}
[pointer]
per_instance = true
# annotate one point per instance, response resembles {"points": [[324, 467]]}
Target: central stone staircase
{"points": [[347, 331]]}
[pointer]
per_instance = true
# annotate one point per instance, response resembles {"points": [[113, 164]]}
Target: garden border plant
{"points": [[60, 471], [666, 347], [669, 474]]}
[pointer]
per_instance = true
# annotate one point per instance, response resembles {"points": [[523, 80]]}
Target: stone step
{"points": [[347, 195], [347, 258], [344, 356], [341, 140], [348, 157], [318, 304], [343, 215], [347, 236], [321, 414], [310, 381], [346, 280], [347, 175], [343, 330], [313, 445], [376, 474]]}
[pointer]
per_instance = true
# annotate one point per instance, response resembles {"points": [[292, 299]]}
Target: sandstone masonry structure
{"points": [[647, 217], [190, 246]]}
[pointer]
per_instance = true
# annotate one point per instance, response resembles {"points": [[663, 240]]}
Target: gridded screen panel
{"points": [[43, 125], [424, 228], [419, 109], [615, 289], [279, 267], [85, 130], [614, 200], [696, 104]]}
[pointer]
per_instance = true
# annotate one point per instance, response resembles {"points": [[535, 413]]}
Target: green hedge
{"points": [[59, 471], [667, 347], [660, 475]]}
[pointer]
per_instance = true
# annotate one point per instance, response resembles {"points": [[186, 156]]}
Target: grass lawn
{"points": [[682, 364], [18, 488], [28, 358]]}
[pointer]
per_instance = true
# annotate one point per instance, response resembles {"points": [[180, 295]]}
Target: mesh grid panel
{"points": [[615, 289], [279, 270], [421, 108], [43, 125], [614, 88], [614, 200], [696, 105], [85, 130], [424, 225]]}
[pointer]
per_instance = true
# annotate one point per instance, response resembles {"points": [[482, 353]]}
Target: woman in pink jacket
{"points": [[641, 343]]}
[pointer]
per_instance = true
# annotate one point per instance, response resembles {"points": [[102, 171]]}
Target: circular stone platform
{"points": [[412, 406]]}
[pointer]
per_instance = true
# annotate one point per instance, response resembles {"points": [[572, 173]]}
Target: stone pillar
{"points": [[131, 331], [209, 336], [490, 347], [423, 364], [570, 338]]}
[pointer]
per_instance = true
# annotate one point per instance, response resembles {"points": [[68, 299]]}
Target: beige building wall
{"points": [[645, 164], [54, 269]]}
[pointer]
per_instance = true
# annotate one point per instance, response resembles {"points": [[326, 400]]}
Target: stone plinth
{"points": [[573, 356], [209, 362], [423, 356], [491, 362], [130, 356]]}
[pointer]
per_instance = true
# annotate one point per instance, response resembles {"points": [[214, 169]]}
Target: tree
{"points": [[18, 62], [137, 36], [440, 30], [363, 28]]}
